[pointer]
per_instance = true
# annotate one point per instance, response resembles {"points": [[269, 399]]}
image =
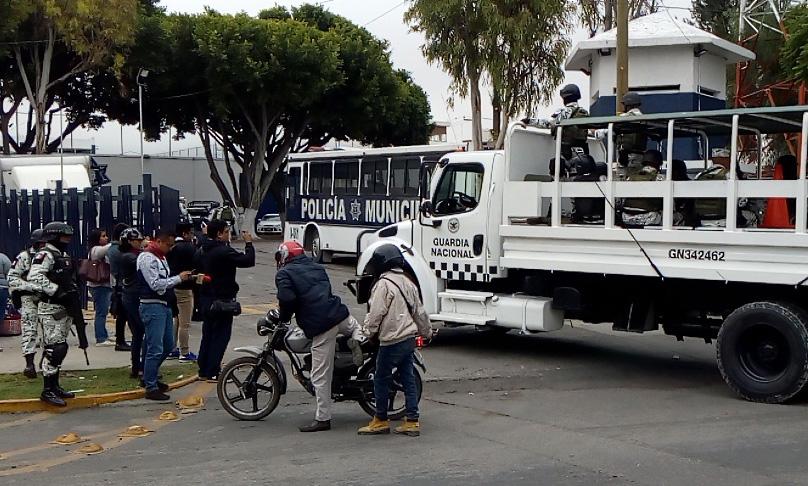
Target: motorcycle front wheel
{"points": [[248, 389], [397, 409]]}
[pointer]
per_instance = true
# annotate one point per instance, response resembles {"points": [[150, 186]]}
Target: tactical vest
{"points": [[63, 273], [645, 173], [575, 136], [712, 208]]}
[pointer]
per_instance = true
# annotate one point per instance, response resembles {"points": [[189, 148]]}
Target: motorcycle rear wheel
{"points": [[233, 388], [398, 410]]}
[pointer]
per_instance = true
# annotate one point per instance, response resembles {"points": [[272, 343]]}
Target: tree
{"points": [[795, 50], [55, 43], [453, 30], [601, 15], [263, 87], [526, 49]]}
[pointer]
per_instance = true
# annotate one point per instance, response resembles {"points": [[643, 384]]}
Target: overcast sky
{"points": [[384, 19]]}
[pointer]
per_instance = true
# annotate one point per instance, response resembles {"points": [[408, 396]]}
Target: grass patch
{"points": [[92, 382]]}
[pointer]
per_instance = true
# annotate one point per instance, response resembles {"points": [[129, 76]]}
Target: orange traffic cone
{"points": [[777, 207]]}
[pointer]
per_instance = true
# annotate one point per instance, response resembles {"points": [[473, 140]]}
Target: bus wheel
{"points": [[762, 351], [312, 245]]}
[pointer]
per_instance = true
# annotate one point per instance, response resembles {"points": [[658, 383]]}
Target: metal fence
{"points": [[148, 208]]}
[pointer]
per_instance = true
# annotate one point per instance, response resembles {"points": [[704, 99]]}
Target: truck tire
{"points": [[762, 351]]}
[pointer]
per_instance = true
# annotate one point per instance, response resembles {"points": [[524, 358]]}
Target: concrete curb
{"points": [[29, 405]]}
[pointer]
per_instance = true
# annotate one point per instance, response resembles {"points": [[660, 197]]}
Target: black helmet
{"points": [[56, 229], [570, 93], [583, 165], [631, 98], [384, 258], [37, 236], [131, 234]]}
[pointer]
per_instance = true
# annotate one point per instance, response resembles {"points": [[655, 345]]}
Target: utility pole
{"points": [[622, 54]]}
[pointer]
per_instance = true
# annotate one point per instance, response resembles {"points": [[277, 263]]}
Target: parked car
{"points": [[269, 224], [199, 211]]}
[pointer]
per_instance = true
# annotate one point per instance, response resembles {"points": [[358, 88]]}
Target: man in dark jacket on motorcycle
{"points": [[305, 291]]}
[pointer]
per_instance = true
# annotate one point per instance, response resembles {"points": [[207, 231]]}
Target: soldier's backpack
{"points": [[575, 136]]}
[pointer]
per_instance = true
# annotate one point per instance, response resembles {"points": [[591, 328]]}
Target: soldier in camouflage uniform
{"points": [[53, 277], [573, 139], [630, 145], [639, 212], [24, 298]]}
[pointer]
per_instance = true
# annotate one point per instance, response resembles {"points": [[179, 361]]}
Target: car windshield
{"points": [[271, 218]]}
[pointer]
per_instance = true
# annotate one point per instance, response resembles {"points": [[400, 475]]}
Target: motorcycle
{"points": [[250, 387]]}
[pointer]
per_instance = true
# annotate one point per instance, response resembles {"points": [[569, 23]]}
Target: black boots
{"points": [[54, 394], [30, 368], [316, 426]]}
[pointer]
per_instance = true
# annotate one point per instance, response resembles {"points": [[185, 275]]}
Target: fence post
{"points": [[146, 213], [59, 208], [36, 213]]}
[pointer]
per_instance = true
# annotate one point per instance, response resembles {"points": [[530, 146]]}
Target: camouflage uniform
{"points": [[573, 139], [28, 309], [54, 316], [642, 211], [631, 146]]}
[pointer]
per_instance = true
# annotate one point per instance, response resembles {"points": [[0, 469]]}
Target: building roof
{"points": [[659, 29]]}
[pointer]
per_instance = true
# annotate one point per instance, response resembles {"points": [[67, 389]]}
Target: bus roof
{"points": [[376, 152], [777, 119]]}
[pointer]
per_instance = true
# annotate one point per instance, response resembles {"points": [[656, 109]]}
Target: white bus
{"points": [[333, 197]]}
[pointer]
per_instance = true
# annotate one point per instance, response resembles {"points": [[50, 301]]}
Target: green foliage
{"points": [[795, 50]]}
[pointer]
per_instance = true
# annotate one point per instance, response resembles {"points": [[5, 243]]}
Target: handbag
{"points": [[228, 307], [95, 271]]}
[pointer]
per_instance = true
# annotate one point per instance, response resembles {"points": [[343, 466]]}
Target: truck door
{"points": [[454, 233]]}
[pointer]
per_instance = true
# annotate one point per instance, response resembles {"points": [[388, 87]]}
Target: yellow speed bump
{"points": [[90, 449], [135, 431], [68, 439], [169, 416]]}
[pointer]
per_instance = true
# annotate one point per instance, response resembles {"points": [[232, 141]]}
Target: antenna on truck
{"points": [[639, 245]]}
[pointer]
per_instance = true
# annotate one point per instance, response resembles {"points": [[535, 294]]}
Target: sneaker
{"points": [[409, 427], [160, 386], [173, 354], [105, 344], [157, 395], [211, 379], [123, 347], [375, 427], [188, 357]]}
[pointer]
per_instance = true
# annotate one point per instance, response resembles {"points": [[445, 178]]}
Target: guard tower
{"points": [[674, 66]]}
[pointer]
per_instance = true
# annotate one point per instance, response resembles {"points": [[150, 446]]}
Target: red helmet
{"points": [[287, 251]]}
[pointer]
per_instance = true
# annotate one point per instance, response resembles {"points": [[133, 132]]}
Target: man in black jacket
{"points": [[305, 291], [180, 259], [218, 260]]}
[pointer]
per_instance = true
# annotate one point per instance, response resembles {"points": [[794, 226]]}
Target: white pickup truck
{"points": [[495, 244]]}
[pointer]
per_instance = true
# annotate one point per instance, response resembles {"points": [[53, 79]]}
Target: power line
{"points": [[385, 13]]}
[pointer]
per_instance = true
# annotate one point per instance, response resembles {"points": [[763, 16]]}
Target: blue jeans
{"points": [[102, 297], [400, 357], [159, 324]]}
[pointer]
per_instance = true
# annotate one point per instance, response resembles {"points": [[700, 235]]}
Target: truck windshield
{"points": [[459, 189]]}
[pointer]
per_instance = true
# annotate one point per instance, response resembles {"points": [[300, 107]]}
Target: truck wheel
{"points": [[313, 246], [762, 351]]}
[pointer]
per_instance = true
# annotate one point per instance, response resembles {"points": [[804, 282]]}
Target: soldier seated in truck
{"points": [[640, 212]]}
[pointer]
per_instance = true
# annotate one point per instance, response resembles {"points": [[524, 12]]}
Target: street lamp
{"points": [[141, 74]]}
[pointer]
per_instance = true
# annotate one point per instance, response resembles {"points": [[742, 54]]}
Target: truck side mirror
{"points": [[426, 208]]}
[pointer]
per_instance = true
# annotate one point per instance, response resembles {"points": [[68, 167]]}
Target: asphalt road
{"points": [[580, 406]]}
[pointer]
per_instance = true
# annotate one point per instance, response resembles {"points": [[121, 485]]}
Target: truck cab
{"points": [[722, 256]]}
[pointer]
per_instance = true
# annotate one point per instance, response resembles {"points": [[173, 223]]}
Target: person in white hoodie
{"points": [[396, 317]]}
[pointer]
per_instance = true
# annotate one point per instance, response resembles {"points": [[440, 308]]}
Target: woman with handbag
{"points": [[95, 271]]}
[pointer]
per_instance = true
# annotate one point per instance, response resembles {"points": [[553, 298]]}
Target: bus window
{"points": [[398, 177], [346, 177], [459, 189], [404, 176], [413, 171], [320, 178], [292, 183], [374, 177]]}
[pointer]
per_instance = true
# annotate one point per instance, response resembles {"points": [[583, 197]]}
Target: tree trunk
{"points": [[476, 112], [248, 221], [4, 120], [503, 127], [496, 113]]}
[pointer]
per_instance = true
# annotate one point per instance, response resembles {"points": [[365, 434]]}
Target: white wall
{"points": [[191, 176], [664, 65]]}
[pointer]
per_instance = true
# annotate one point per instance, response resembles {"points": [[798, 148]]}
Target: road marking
{"points": [[71, 456]]}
